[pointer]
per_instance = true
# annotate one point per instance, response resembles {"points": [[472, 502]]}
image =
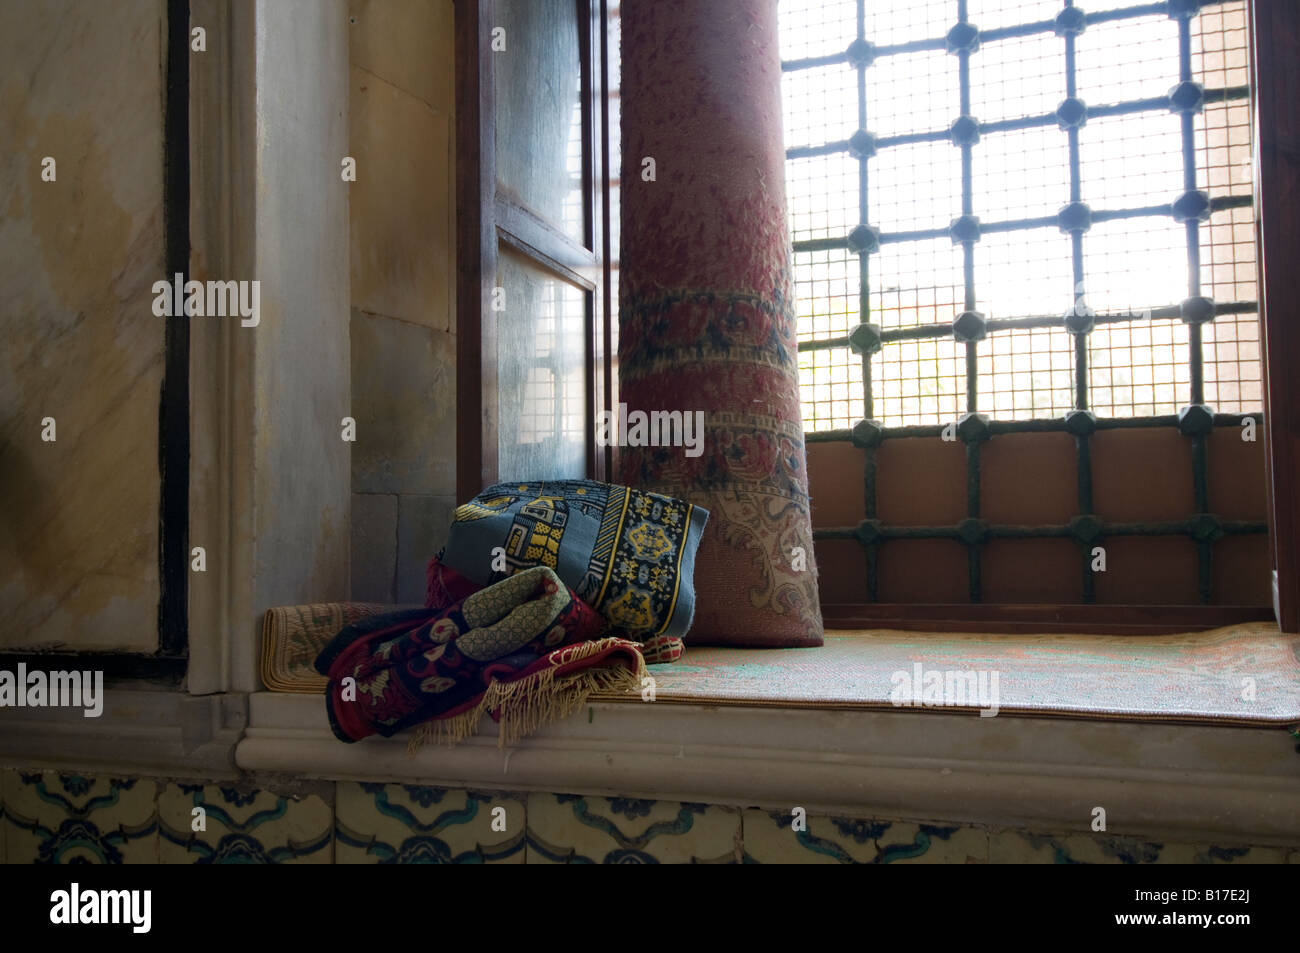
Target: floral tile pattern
{"points": [[56, 817], [53, 817], [1209, 854], [215, 824], [1022, 847], [569, 829], [770, 837], [415, 824]]}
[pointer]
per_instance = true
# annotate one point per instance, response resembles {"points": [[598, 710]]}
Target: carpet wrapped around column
{"points": [[706, 312]]}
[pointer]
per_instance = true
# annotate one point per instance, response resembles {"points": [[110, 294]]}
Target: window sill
{"points": [[1184, 776], [1162, 778]]}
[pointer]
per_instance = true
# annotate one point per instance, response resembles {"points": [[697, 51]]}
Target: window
{"points": [[534, 217], [1023, 216]]}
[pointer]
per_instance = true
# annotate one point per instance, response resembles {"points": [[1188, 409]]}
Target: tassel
{"points": [[524, 706]]}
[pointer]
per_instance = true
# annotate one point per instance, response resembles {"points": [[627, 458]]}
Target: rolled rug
{"points": [[524, 650], [706, 317]]}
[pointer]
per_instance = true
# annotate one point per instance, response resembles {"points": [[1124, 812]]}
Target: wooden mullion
{"points": [[1275, 82], [476, 243]]}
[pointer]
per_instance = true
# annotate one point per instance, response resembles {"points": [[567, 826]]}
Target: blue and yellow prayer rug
{"points": [[628, 554]]}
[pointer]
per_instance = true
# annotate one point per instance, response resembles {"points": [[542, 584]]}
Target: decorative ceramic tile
{"points": [[1022, 847], [55, 817], [770, 838], [413, 824], [241, 826], [59, 817], [567, 828], [1208, 854], [932, 844]]}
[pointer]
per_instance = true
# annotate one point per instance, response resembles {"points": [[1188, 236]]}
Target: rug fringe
{"points": [[526, 705]]}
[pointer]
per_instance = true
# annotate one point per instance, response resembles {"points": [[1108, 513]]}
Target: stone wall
{"points": [[78, 257], [401, 97]]}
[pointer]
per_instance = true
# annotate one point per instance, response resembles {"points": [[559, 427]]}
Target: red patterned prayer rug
{"points": [[524, 650], [705, 315]]}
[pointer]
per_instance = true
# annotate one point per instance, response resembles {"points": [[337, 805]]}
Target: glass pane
{"points": [[1131, 162], [541, 366], [539, 114]]}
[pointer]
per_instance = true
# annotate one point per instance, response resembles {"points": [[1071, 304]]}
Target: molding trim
{"points": [[224, 624], [140, 733], [1159, 780]]}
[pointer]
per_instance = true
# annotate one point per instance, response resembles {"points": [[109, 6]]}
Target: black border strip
{"points": [[174, 407]]}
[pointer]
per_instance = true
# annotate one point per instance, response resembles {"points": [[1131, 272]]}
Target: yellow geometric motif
{"points": [[631, 610], [535, 535], [650, 541], [477, 511]]}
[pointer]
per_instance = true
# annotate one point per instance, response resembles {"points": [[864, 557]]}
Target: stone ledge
{"points": [[1157, 780], [1161, 780], [163, 733]]}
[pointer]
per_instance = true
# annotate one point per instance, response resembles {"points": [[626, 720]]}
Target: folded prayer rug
{"points": [[446, 586], [629, 555], [525, 650]]}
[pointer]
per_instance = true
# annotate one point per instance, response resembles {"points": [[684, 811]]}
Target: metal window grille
{"points": [[1113, 149]]}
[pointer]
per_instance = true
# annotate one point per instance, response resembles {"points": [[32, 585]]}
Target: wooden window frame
{"points": [[485, 219], [1275, 90], [1274, 35]]}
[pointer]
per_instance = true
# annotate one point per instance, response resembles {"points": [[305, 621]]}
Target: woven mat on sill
{"points": [[1247, 674], [292, 637]]}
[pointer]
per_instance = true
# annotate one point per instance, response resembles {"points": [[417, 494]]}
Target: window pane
{"points": [[539, 116], [541, 368], [1134, 256]]}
